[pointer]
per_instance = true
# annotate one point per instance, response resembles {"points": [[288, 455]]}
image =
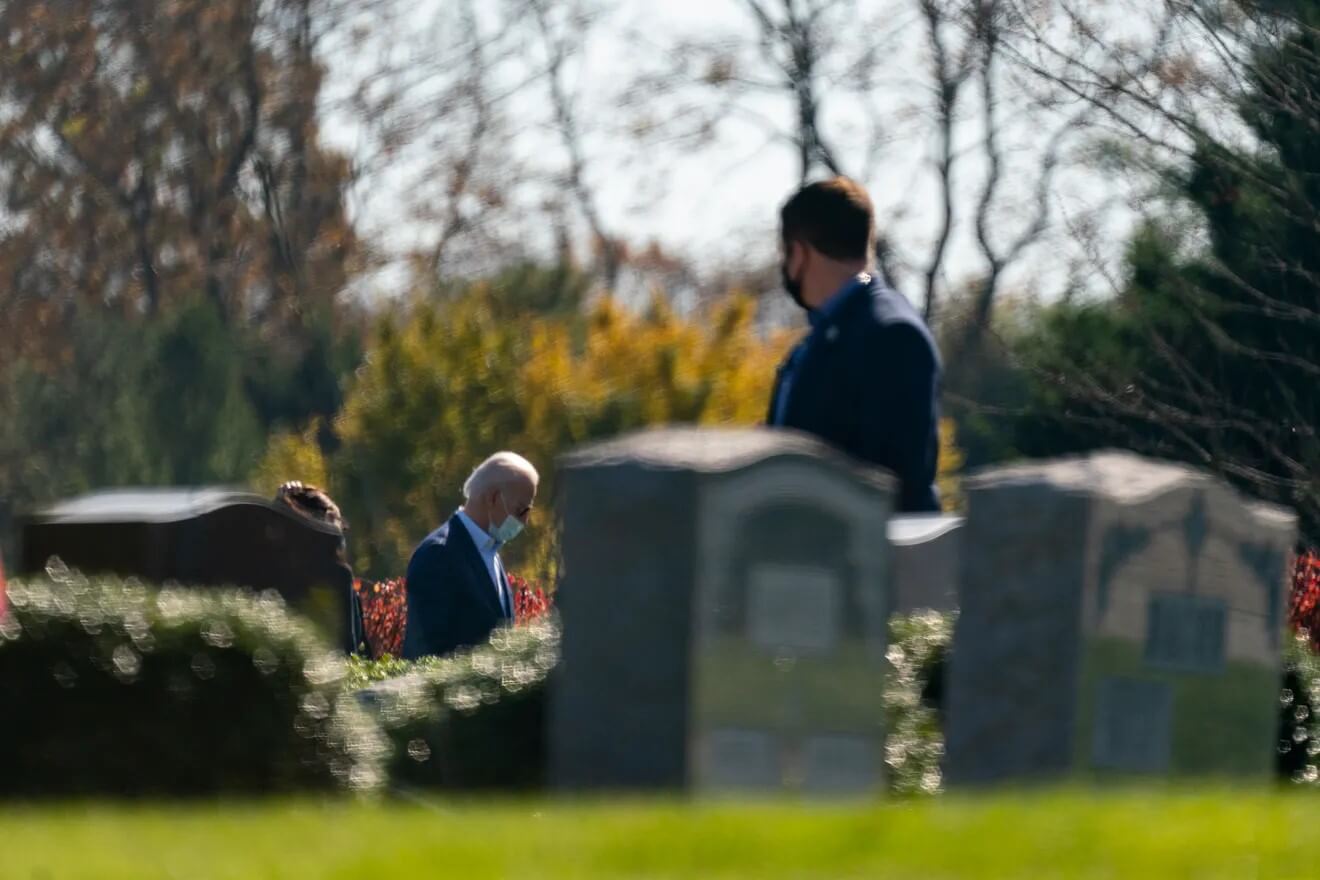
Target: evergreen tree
{"points": [[1212, 352]]}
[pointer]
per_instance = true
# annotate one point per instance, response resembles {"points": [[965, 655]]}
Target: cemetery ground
{"points": [[189, 732], [1115, 833]]}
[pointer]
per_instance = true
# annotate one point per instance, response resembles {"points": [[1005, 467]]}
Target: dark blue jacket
{"points": [[452, 603], [867, 381]]}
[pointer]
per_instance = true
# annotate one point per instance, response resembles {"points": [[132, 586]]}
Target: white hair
{"points": [[497, 472]]}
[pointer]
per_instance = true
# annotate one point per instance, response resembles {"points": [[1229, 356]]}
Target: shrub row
{"points": [[110, 688], [475, 720]]}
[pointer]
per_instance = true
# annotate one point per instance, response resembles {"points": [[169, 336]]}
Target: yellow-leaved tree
{"points": [[950, 467], [292, 455], [448, 381]]}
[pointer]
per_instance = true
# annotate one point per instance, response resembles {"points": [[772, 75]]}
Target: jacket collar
{"points": [[458, 533], [830, 309]]}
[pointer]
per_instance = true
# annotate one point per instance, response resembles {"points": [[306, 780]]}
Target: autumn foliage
{"points": [[530, 601], [384, 615], [447, 382], [385, 611], [450, 379], [1304, 609]]}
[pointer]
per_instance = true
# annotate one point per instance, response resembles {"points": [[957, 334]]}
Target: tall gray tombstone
{"points": [[927, 553], [1119, 617], [724, 610]]}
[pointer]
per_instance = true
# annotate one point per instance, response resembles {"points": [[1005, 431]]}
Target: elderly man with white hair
{"points": [[457, 589]]}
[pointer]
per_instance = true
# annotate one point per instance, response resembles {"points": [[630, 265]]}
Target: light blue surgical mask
{"points": [[509, 529]]}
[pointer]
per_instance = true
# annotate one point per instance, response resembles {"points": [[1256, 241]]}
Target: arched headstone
{"points": [[1118, 616], [199, 537], [725, 610]]}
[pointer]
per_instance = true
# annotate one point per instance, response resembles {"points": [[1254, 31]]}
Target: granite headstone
{"points": [[724, 609], [1118, 617], [927, 553], [200, 537]]}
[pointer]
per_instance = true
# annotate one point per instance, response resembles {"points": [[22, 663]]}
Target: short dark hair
{"points": [[833, 216]]}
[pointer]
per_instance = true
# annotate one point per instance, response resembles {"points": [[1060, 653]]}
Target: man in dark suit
{"points": [[866, 379], [458, 592]]}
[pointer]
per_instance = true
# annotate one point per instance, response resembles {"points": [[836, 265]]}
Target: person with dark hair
{"points": [[866, 378], [313, 503]]}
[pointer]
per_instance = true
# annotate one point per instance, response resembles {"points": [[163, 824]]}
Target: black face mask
{"points": [[793, 286]]}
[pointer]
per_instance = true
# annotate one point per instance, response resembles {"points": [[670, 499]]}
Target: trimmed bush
{"points": [[914, 748], [1299, 739], [110, 688], [475, 720]]}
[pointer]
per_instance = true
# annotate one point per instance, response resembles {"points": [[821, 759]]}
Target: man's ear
{"points": [[798, 258]]}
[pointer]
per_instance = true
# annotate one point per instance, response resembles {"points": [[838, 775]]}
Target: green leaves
{"points": [[123, 689]]}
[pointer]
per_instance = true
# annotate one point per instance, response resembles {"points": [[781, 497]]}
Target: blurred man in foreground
{"points": [[866, 379], [456, 586]]}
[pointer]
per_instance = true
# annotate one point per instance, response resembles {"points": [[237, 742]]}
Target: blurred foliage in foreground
{"points": [[199, 692], [116, 689]]}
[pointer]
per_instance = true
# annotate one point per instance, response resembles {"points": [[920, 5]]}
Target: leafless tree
{"points": [[431, 95], [814, 57], [1230, 383], [474, 122], [562, 30]]}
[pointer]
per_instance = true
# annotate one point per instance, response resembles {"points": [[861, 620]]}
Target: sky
{"points": [[718, 206]]}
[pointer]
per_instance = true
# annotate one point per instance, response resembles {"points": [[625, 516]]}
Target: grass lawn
{"points": [[1117, 834]]}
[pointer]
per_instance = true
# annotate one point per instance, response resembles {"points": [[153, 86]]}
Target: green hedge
{"points": [[919, 647], [918, 644], [475, 720], [107, 687], [1299, 729], [110, 688]]}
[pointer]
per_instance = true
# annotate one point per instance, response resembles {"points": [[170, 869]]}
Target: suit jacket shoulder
{"points": [[873, 391], [451, 602], [436, 543], [887, 313]]}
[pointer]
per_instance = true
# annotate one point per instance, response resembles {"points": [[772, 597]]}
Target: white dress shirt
{"points": [[488, 548]]}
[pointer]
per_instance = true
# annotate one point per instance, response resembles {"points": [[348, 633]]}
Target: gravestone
{"points": [[1118, 617], [724, 611], [927, 552], [199, 537]]}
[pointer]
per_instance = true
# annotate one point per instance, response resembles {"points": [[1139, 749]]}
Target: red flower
{"points": [[384, 614], [530, 601], [1304, 606], [385, 611]]}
